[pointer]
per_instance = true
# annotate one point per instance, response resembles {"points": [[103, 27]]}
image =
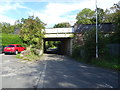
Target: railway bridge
{"points": [[65, 35]]}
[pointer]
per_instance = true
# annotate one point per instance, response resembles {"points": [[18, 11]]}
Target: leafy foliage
{"points": [[11, 39], [52, 44], [111, 15], [31, 31], [115, 37], [111, 63], [85, 16], [6, 28], [88, 16], [62, 25], [100, 15], [90, 44]]}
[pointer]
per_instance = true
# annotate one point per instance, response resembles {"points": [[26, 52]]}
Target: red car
{"points": [[14, 48]]}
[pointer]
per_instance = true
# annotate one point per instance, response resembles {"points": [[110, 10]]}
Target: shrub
{"points": [[32, 32], [11, 39], [76, 52], [90, 44]]}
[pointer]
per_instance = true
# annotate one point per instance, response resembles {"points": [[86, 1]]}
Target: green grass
{"points": [[111, 63], [11, 39], [30, 57]]}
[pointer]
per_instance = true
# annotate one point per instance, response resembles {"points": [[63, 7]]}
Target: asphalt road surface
{"points": [[54, 71]]}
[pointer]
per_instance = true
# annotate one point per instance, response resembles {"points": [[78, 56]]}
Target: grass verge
{"points": [[30, 57], [112, 63]]}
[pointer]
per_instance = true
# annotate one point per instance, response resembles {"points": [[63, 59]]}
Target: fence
{"points": [[114, 49]]}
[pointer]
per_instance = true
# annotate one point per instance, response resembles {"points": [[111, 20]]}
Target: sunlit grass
{"points": [[112, 64], [30, 57]]}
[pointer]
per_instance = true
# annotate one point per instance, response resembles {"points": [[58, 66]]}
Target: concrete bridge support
{"points": [[67, 46]]}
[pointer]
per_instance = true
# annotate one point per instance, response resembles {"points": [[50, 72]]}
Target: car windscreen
{"points": [[10, 46]]}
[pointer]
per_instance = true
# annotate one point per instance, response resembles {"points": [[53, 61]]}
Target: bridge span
{"points": [[65, 35]]}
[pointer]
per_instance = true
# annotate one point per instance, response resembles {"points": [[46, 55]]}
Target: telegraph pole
{"points": [[96, 31]]}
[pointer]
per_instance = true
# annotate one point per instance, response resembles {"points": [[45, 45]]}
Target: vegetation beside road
{"points": [[32, 32], [86, 52], [27, 32], [29, 57], [110, 63], [11, 39], [32, 35]]}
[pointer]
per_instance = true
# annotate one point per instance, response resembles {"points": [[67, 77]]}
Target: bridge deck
{"points": [[59, 32]]}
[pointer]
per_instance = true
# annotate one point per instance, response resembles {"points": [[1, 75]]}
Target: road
{"points": [[54, 71]]}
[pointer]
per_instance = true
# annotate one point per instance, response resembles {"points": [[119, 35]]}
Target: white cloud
{"points": [[9, 6], [58, 10], [55, 1], [54, 12], [7, 19], [4, 7], [106, 4]]}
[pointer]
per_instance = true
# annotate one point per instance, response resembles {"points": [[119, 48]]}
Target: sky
{"points": [[50, 12]]}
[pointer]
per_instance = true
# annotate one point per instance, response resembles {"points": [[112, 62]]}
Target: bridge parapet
{"points": [[59, 33], [59, 30]]}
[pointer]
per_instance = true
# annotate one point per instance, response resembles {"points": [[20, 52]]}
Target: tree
{"points": [[6, 28], [31, 31], [101, 14], [62, 25], [0, 27], [90, 44], [108, 17], [86, 16], [115, 37]]}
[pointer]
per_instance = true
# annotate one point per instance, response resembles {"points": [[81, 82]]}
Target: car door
{"points": [[21, 48], [18, 48]]}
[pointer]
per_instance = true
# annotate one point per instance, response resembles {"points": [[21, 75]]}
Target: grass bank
{"points": [[11, 39], [111, 63], [29, 57]]}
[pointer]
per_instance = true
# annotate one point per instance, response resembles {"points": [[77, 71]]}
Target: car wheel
{"points": [[16, 52]]}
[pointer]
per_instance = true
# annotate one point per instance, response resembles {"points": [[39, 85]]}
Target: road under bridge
{"points": [[64, 35]]}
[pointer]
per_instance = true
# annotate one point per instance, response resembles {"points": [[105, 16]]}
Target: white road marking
{"points": [[37, 81], [40, 79], [43, 76]]}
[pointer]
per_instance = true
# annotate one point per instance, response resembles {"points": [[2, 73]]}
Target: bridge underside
{"points": [[65, 47], [56, 39]]}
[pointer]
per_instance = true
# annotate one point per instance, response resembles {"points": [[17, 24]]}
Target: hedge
{"points": [[11, 39]]}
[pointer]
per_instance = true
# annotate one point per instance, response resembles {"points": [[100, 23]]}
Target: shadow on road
{"points": [[63, 72]]}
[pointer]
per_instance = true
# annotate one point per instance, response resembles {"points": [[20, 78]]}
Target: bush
{"points": [[30, 55], [32, 32], [11, 39], [90, 44], [111, 63], [76, 52]]}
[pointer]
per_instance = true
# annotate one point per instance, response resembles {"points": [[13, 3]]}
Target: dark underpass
{"points": [[63, 46]]}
